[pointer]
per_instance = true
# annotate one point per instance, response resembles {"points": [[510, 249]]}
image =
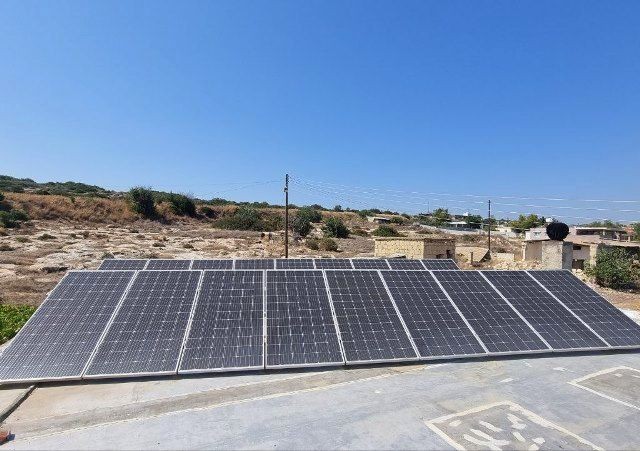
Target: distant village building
{"points": [[379, 219], [586, 243], [415, 247]]}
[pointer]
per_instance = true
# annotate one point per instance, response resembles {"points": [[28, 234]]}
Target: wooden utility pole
{"points": [[286, 216], [489, 231]]}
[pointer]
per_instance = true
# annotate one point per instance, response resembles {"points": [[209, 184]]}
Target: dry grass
{"points": [[85, 209]]}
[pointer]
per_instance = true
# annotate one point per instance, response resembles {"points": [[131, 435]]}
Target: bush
{"points": [[335, 228], [385, 230], [1, 197], [141, 201], [301, 225], [397, 220], [12, 318], [208, 212], [182, 205], [310, 214], [613, 268], [242, 219], [313, 244], [46, 236], [359, 232], [328, 244], [11, 219]]}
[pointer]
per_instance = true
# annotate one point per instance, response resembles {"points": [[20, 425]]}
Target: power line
{"points": [[479, 196]]}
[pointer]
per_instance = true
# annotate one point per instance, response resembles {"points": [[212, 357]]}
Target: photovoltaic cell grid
{"points": [[436, 327], [493, 320], [60, 337], [226, 330], [557, 325], [212, 264], [122, 264], [404, 264], [605, 319], [435, 264], [300, 326], [369, 325], [294, 263], [333, 263], [146, 335], [257, 263], [369, 263], [167, 264]]}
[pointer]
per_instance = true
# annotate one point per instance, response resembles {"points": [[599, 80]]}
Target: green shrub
{"points": [[11, 219], [141, 201], [6, 248], [397, 220], [1, 197], [46, 236], [613, 268], [244, 218], [208, 212], [12, 318], [335, 228], [182, 205], [328, 244], [310, 214], [313, 244], [385, 230], [272, 222], [359, 231], [301, 225]]}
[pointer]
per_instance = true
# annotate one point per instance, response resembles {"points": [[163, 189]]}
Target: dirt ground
{"points": [[35, 257]]}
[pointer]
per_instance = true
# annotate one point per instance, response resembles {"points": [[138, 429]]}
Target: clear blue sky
{"points": [[508, 98]]}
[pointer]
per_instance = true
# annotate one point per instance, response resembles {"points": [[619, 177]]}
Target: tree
{"points": [[182, 205], [613, 268], [335, 228], [141, 201], [337, 208], [605, 223], [636, 231], [441, 215], [526, 222], [301, 225], [474, 221], [310, 214]]}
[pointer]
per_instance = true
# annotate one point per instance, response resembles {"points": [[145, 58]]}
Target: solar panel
{"points": [[227, 329], [300, 327], [167, 264], [498, 325], [436, 327], [294, 263], [146, 334], [333, 263], [111, 264], [436, 264], [557, 325], [369, 263], [370, 327], [212, 264], [605, 319], [257, 263], [59, 338], [404, 264]]}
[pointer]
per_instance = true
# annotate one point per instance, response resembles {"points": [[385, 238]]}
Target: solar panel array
{"points": [[216, 316], [280, 263]]}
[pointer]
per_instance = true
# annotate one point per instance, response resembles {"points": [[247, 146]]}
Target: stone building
{"points": [[415, 247]]}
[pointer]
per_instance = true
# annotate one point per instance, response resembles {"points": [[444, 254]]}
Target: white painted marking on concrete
{"points": [[504, 381], [559, 368], [518, 436], [577, 383], [490, 426], [495, 444], [455, 423]]}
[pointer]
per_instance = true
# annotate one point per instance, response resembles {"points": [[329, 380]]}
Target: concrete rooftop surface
{"points": [[579, 401]]}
